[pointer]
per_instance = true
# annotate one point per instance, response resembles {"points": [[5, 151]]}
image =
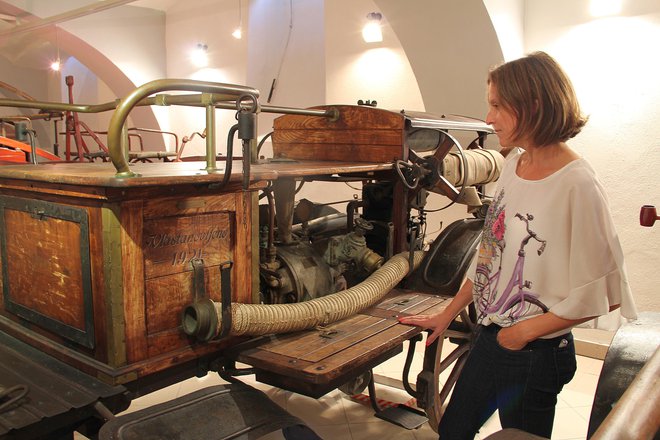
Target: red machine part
{"points": [[12, 150]]}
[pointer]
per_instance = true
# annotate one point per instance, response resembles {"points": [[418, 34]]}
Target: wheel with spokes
{"points": [[431, 396]]}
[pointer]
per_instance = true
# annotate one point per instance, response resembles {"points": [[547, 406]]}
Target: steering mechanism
{"points": [[411, 173], [454, 174]]}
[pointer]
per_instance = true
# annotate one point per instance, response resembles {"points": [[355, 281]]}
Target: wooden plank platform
{"points": [[314, 362]]}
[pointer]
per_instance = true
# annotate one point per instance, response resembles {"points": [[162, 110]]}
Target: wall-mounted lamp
{"points": [[371, 32], [199, 56], [238, 32]]}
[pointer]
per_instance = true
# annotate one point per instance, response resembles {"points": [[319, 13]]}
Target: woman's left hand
{"points": [[511, 338]]}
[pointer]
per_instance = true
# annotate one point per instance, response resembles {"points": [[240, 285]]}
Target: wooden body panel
{"points": [[46, 270], [100, 283], [360, 134], [314, 362], [58, 292]]}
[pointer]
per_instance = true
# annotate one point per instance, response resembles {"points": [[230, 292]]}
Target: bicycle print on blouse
{"points": [[516, 300]]}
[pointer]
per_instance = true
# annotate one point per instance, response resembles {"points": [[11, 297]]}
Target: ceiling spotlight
{"points": [[55, 65], [238, 34], [371, 32], [199, 56]]}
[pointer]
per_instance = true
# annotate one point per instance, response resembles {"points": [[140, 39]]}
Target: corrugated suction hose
{"points": [[262, 319]]}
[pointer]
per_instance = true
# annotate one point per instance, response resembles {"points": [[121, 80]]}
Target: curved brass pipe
{"points": [[120, 115]]}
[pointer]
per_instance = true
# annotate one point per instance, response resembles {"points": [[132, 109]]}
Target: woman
{"points": [[549, 259]]}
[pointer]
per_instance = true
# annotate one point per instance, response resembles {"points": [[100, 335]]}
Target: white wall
{"points": [[113, 34], [368, 71], [508, 17], [31, 81], [614, 67], [209, 22], [299, 65], [132, 37], [450, 44], [357, 70], [112, 52]]}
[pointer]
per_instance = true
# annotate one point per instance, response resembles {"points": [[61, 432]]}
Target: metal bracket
{"points": [[225, 293], [402, 415], [406, 367], [199, 318], [199, 282]]}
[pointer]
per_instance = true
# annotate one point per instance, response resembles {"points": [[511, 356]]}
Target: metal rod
{"points": [[637, 413], [56, 143], [329, 113], [227, 102], [44, 105], [247, 160], [33, 147], [125, 142], [103, 411], [221, 101], [210, 139]]}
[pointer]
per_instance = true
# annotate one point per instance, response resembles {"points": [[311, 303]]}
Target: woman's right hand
{"points": [[438, 323]]}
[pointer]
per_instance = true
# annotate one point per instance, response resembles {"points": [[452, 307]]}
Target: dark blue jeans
{"points": [[523, 385]]}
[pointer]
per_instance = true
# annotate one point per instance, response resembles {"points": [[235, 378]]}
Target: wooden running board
{"points": [[314, 362]]}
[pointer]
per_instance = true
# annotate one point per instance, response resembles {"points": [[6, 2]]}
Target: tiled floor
{"points": [[336, 416]]}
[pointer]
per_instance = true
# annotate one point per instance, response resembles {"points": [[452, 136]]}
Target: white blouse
{"points": [[549, 245]]}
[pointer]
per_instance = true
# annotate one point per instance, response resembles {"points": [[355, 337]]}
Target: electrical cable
{"points": [[286, 46], [400, 164], [352, 187], [230, 154], [261, 142], [269, 187], [302, 182]]}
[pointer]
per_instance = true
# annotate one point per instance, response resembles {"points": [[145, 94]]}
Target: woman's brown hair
{"points": [[542, 97]]}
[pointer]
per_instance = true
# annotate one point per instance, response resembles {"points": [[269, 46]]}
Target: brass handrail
{"points": [[117, 147]]}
